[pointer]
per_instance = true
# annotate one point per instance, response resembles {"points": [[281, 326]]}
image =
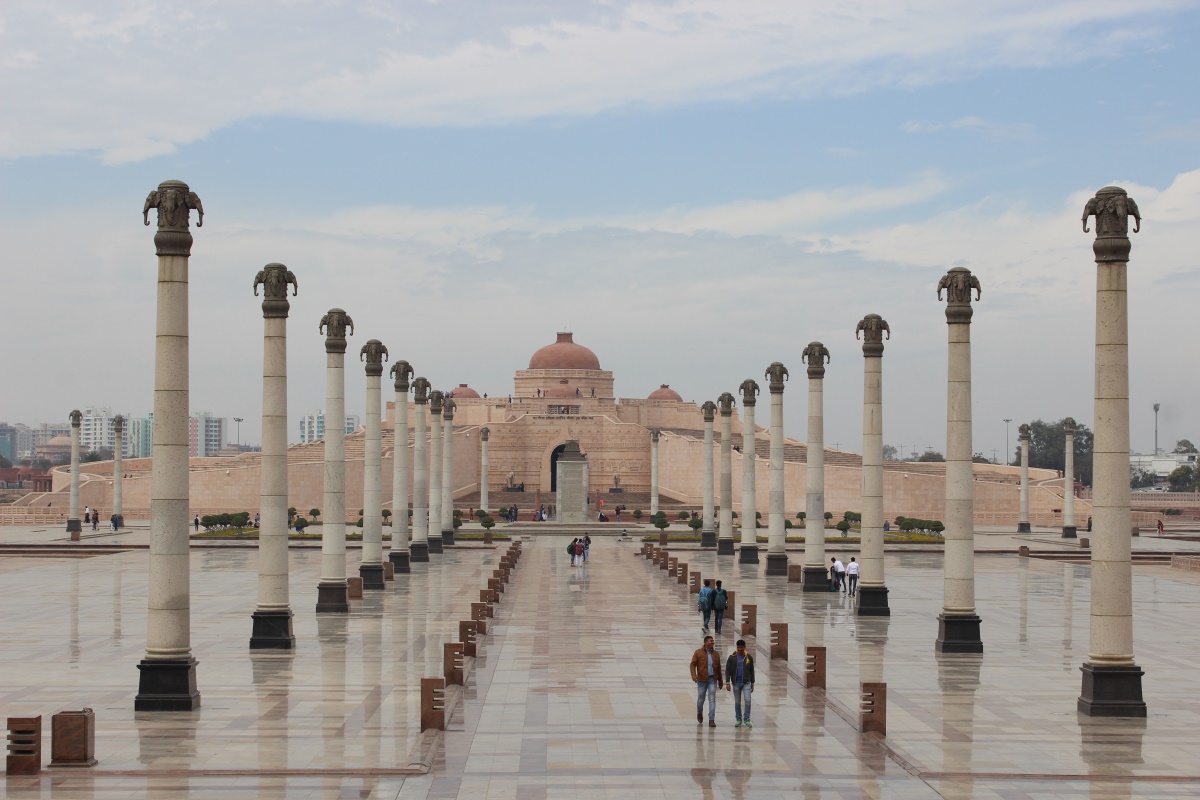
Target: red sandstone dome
{"points": [[463, 391], [564, 354], [665, 392], [562, 389]]}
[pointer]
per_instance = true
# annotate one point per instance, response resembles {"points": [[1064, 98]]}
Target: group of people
{"points": [[92, 517], [712, 602], [843, 577], [579, 550], [737, 675]]}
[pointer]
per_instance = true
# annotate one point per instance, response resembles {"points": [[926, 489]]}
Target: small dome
{"points": [[564, 354], [665, 392], [462, 391], [560, 390], [62, 440]]}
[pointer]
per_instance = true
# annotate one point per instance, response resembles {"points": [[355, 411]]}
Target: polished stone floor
{"points": [[581, 688]]}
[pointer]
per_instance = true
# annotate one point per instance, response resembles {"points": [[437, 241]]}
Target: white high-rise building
{"points": [[207, 434], [96, 430], [312, 426]]}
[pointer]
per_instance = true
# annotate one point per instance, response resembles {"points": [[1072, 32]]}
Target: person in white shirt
{"points": [[839, 570], [852, 575]]}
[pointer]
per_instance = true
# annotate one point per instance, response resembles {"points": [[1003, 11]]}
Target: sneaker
{"points": [[747, 724], [737, 724]]}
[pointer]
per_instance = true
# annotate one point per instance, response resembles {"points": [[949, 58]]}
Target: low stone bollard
{"points": [[814, 667], [665, 561], [486, 597], [681, 573], [1085, 543], [24, 745], [433, 704], [73, 739], [487, 536], [779, 640], [466, 636], [795, 573], [495, 587], [1023, 550], [452, 663], [389, 571], [874, 708], [749, 620], [354, 587], [479, 615], [662, 539], [694, 583], [730, 597], [672, 567]]}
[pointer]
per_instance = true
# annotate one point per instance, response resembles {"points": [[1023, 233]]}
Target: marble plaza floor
{"points": [[581, 687]]}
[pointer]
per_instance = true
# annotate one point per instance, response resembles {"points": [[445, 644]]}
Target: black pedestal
{"points": [[873, 602], [372, 576], [1023, 527], [333, 598], [708, 538], [74, 526], [816, 579], [272, 631], [448, 538], [777, 564], [435, 544], [1070, 532], [1112, 691], [399, 559], [724, 547], [747, 554], [167, 686], [418, 551], [958, 634]]}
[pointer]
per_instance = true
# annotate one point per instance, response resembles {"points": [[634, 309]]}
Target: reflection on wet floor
{"points": [[581, 688]]}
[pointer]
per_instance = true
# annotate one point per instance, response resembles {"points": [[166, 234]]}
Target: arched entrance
{"points": [[554, 454]]}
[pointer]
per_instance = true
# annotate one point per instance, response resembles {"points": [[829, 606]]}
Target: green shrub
{"points": [[852, 517], [314, 512], [387, 513], [787, 525], [456, 522], [487, 522], [661, 522], [479, 512], [695, 523], [301, 524], [802, 515], [637, 513], [684, 515], [843, 526], [828, 515], [360, 522]]}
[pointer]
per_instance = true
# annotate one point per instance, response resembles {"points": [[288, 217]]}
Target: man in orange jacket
{"points": [[706, 674]]}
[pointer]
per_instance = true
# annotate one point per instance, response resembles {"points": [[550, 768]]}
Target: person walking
{"points": [[580, 549], [704, 603], [571, 550], [739, 676], [720, 601], [96, 520], [706, 674], [196, 523], [840, 570], [587, 548], [833, 575], [1160, 528], [852, 575]]}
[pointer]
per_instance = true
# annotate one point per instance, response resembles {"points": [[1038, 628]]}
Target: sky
{"points": [[695, 189]]}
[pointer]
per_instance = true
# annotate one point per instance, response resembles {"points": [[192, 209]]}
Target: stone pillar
{"points": [[436, 401], [74, 525], [1023, 437], [872, 589], [370, 569], [748, 552], [958, 624], [484, 434], [777, 561], [708, 534], [168, 672], [816, 577], [118, 470], [271, 622], [448, 472], [654, 434], [725, 536], [333, 591], [1069, 531], [420, 520], [399, 555], [1112, 682]]}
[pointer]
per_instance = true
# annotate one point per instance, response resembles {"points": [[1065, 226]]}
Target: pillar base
{"points": [[1070, 532], [1023, 527], [448, 538], [418, 551], [958, 634], [435, 544], [372, 576], [167, 685], [872, 601], [272, 631], [708, 538], [1112, 691], [816, 579], [777, 564], [74, 526], [747, 554], [333, 598], [400, 561], [724, 547]]}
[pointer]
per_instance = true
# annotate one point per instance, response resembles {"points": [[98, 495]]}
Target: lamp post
{"points": [[238, 420], [1007, 450], [1156, 407]]}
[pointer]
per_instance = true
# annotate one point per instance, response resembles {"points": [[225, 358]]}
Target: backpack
{"points": [[719, 600], [704, 602], [571, 549]]}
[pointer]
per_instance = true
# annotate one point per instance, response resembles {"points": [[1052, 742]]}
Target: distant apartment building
{"points": [[312, 426], [97, 431], [8, 442], [207, 434], [139, 436]]}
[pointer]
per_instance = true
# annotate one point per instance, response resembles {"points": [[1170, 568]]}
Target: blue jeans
{"points": [[711, 688], [707, 615], [720, 612], [741, 694]]}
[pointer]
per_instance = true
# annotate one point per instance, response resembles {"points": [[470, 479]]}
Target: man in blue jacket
{"points": [[739, 676]]}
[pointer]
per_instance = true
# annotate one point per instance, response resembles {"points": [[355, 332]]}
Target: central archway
{"points": [[554, 454]]}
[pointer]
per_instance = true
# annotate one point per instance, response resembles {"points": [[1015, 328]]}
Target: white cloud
{"points": [[988, 129], [145, 76]]}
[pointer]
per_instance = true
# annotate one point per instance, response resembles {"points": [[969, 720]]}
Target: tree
{"points": [[978, 458], [889, 452], [1183, 479], [90, 456], [301, 524], [1047, 448], [684, 515], [637, 513], [1184, 446], [1141, 478], [487, 522], [315, 513], [4, 463], [931, 456], [695, 523], [661, 522]]}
